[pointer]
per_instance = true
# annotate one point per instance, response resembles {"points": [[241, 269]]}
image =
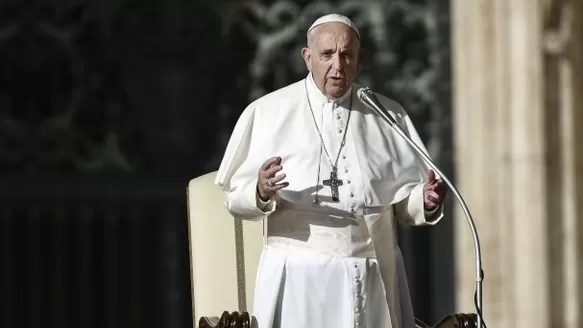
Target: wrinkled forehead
{"points": [[333, 34]]}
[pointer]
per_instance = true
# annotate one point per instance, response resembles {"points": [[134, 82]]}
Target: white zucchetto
{"points": [[335, 18]]}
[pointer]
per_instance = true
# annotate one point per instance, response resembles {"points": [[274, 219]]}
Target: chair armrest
{"points": [[227, 320], [458, 320]]}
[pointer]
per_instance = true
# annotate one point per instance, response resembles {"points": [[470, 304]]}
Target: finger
{"points": [[272, 161], [438, 184], [280, 186], [431, 176], [430, 187], [432, 196], [271, 187], [277, 178], [270, 172], [267, 186]]}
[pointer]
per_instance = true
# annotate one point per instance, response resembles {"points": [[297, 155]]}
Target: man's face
{"points": [[333, 57]]}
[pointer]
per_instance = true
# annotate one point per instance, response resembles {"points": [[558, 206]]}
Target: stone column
{"points": [[517, 71], [563, 59]]}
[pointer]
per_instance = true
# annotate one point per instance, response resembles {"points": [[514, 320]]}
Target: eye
{"points": [[326, 54], [347, 55]]}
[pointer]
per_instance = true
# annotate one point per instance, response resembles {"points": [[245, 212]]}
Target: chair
{"points": [[224, 256]]}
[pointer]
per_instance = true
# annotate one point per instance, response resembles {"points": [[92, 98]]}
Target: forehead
{"points": [[334, 34]]}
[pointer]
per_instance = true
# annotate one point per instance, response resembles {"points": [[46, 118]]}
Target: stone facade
{"points": [[517, 68]]}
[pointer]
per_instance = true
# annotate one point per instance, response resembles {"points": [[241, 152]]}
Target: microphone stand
{"points": [[368, 98]]}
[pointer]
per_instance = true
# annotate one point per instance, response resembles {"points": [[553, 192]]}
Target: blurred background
{"points": [[109, 108]]}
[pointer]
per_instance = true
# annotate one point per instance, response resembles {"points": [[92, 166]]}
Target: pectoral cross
{"points": [[333, 183]]}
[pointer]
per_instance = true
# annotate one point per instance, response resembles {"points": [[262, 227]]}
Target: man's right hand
{"points": [[267, 182]]}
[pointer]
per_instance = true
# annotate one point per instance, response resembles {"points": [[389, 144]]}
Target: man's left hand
{"points": [[434, 192]]}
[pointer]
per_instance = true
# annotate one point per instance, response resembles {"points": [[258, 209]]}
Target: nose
{"points": [[337, 63]]}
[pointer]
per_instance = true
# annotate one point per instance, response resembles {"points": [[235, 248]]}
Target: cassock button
{"points": [[343, 156], [338, 117], [349, 181], [339, 130], [351, 194], [356, 310]]}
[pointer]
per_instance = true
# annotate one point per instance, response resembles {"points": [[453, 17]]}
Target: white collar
{"points": [[315, 93]]}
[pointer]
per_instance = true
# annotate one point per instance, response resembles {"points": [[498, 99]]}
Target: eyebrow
{"points": [[330, 50]]}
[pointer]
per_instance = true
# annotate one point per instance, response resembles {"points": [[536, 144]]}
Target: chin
{"points": [[337, 92]]}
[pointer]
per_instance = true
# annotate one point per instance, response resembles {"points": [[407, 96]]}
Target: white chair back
{"points": [[224, 252]]}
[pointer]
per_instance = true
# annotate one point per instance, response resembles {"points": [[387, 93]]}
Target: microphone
{"points": [[369, 99]]}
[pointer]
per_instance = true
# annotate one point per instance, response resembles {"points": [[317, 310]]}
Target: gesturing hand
{"points": [[267, 181], [434, 191]]}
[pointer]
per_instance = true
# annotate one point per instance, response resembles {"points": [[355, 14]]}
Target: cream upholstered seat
{"points": [[213, 233]]}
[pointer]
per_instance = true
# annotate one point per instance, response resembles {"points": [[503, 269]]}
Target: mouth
{"points": [[337, 80]]}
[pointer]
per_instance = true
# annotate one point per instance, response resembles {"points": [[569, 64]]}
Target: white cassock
{"points": [[335, 264]]}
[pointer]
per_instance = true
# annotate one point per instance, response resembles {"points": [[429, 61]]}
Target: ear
{"points": [[307, 55]]}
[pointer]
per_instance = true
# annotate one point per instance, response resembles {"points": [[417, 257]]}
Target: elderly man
{"points": [[331, 177]]}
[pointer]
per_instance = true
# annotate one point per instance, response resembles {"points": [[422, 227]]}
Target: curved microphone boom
{"points": [[368, 98]]}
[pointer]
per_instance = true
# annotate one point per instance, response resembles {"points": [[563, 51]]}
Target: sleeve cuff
{"points": [[245, 203], [265, 206], [433, 214], [416, 208]]}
